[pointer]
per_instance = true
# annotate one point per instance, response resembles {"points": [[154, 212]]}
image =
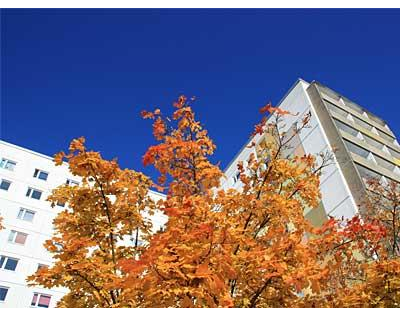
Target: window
{"points": [[59, 246], [34, 194], [362, 123], [72, 182], [3, 293], [353, 106], [395, 154], [372, 142], [17, 237], [366, 173], [8, 263], [41, 300], [376, 119], [62, 204], [384, 163], [26, 215], [236, 177], [333, 108], [346, 128], [5, 185], [7, 164], [42, 175], [386, 137], [41, 266], [356, 149]]}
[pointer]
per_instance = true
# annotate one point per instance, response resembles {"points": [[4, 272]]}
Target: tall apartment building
{"points": [[26, 179], [365, 147]]}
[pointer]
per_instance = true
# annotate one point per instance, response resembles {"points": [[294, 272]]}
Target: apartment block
{"points": [[363, 146], [26, 180]]}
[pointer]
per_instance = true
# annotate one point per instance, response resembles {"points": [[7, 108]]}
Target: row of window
{"points": [[38, 299], [360, 151], [350, 130], [31, 192], [355, 107], [367, 174], [10, 264], [38, 174], [26, 214], [333, 108], [10, 165], [19, 238]]}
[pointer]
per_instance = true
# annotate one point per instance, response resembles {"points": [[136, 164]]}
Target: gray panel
{"points": [[343, 157]]}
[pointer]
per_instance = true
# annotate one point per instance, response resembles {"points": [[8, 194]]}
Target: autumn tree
{"points": [[107, 206], [181, 267], [242, 248], [361, 253]]}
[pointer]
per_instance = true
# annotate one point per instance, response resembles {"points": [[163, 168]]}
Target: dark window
{"points": [[4, 185], [3, 293], [34, 194], [41, 266], [8, 263], [62, 204], [42, 175], [72, 182], [11, 264]]}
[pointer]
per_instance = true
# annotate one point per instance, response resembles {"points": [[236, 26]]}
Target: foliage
{"points": [[107, 206], [248, 246], [242, 248]]}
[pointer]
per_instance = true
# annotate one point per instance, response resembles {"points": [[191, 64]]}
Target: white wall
{"points": [[32, 252]]}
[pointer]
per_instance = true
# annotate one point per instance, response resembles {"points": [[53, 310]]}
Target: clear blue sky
{"points": [[67, 73]]}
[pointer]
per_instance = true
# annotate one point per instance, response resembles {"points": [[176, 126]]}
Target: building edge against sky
{"points": [[365, 147], [363, 144]]}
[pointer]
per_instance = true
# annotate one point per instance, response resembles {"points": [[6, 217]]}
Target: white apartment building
{"points": [[365, 147], [26, 179]]}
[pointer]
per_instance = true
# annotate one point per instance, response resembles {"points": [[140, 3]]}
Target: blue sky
{"points": [[70, 73]]}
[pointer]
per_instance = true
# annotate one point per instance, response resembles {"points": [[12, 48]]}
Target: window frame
{"points": [[71, 182], [236, 177], [24, 211], [15, 233], [5, 260], [7, 181], [30, 191], [41, 265], [60, 204], [38, 172], [6, 162], [35, 303], [5, 296]]}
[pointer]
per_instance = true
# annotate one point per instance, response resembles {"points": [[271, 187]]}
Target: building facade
{"points": [[26, 179], [363, 146]]}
